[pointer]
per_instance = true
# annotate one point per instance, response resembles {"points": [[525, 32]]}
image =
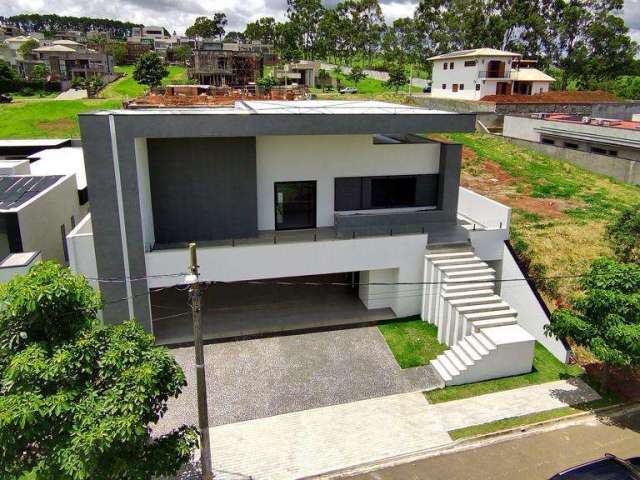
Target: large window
{"points": [[393, 192], [396, 191]]}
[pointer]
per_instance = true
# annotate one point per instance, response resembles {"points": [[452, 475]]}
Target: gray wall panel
{"points": [[203, 188]]}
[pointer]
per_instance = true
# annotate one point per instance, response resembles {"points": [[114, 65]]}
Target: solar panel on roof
{"points": [[17, 190]]}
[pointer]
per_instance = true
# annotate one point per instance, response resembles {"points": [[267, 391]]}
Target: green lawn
{"points": [[546, 368], [412, 342], [47, 118], [128, 87]]}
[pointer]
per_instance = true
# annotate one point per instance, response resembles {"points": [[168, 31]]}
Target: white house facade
{"points": [[474, 74]]}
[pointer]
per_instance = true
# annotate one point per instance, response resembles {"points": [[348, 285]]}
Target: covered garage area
{"points": [[263, 308]]}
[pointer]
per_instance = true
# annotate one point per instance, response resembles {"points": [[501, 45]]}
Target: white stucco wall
{"points": [[40, 219], [82, 254], [522, 127], [402, 254], [531, 315], [325, 157], [144, 192]]}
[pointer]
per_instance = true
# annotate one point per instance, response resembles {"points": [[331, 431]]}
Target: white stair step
{"points": [[474, 300], [457, 362], [456, 261], [453, 296], [446, 376], [509, 312], [483, 340], [468, 310], [471, 352], [468, 287], [495, 322], [467, 266], [477, 345], [470, 280], [471, 272], [435, 256], [462, 355], [446, 363]]}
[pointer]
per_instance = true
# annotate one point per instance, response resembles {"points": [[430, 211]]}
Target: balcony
{"points": [[494, 74]]}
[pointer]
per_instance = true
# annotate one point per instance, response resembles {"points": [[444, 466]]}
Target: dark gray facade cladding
{"points": [[103, 131]]}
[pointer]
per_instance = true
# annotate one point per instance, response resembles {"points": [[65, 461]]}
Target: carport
{"points": [[263, 308]]}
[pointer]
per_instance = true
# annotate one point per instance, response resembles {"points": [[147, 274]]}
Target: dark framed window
{"points": [[295, 205], [394, 191], [599, 151], [477, 87], [548, 141], [462, 86], [470, 63], [446, 65], [451, 65], [573, 146], [444, 86]]}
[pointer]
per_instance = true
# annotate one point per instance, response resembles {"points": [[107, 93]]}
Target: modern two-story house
{"points": [[307, 214], [474, 74]]}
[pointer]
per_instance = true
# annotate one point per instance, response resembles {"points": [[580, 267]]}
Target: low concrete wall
{"points": [[622, 169], [532, 313], [455, 105], [619, 110], [524, 108]]}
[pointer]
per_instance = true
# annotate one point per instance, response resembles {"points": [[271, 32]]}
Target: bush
{"points": [[16, 84], [27, 92], [624, 235]]}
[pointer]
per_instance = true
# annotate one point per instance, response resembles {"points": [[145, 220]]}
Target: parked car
{"points": [[5, 98], [349, 90], [609, 467], [426, 89]]}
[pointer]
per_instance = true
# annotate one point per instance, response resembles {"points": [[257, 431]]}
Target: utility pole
{"points": [[195, 298], [410, 78]]}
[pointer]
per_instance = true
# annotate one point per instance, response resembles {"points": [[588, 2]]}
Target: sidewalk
{"points": [[327, 439]]}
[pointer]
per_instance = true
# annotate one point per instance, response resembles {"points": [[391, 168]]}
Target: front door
{"points": [[295, 205]]}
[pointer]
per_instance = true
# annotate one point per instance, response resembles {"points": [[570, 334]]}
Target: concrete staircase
{"points": [[481, 329]]}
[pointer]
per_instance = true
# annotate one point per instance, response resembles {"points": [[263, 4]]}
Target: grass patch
{"points": [[507, 423], [127, 86], [412, 342], [546, 368], [47, 118]]}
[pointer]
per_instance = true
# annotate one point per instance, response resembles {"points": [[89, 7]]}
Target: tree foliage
{"points": [[27, 47], [356, 75], [77, 399], [397, 77], [6, 72], [262, 30], [150, 69], [606, 317], [624, 235], [50, 23], [205, 27]]}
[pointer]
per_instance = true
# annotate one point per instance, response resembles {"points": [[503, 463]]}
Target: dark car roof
{"points": [[601, 469]]}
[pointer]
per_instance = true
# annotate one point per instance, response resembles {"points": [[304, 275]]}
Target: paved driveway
{"points": [[259, 378]]}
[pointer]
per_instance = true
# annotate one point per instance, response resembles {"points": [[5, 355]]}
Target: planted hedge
{"points": [[17, 84]]}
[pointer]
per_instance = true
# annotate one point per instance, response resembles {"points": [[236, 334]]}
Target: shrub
{"points": [[624, 235], [27, 92]]}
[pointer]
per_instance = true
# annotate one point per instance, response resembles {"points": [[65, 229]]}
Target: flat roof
{"points": [[284, 107], [16, 190], [37, 142], [476, 52], [595, 121], [60, 161]]}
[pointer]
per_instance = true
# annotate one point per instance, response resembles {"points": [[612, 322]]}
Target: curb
{"points": [[475, 441]]}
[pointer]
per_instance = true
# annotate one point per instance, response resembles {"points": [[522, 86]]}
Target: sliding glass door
{"points": [[295, 205]]}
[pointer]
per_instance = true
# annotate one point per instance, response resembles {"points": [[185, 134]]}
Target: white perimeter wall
{"points": [[531, 316], [324, 157], [40, 219], [522, 127], [402, 254]]}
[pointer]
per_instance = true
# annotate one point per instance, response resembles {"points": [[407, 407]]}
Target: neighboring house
{"points": [[343, 195], [148, 33], [304, 72], [10, 53], [607, 146], [39, 202], [474, 74], [68, 60], [8, 30], [226, 64]]}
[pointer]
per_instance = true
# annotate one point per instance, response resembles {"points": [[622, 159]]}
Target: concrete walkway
{"points": [[327, 439], [72, 94]]}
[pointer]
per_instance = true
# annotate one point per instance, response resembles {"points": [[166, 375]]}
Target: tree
{"points": [[150, 69], [287, 42], [401, 42], [205, 27], [6, 72], [39, 72], [27, 47], [324, 79], [118, 50], [262, 30], [182, 52], [234, 37], [624, 235], [626, 86], [397, 77], [606, 318], [356, 75], [304, 17], [78, 398]]}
